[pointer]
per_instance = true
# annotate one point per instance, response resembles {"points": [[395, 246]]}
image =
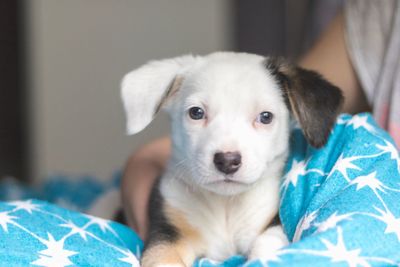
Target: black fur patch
{"points": [[275, 221], [314, 101], [120, 217], [274, 66], [160, 228]]}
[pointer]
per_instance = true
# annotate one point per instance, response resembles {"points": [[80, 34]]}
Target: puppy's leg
{"points": [[172, 240], [171, 249], [168, 254], [266, 245]]}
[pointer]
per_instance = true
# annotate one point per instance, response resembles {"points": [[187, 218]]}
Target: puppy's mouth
{"points": [[227, 180]]}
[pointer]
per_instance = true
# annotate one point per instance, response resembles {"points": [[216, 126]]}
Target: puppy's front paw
{"points": [[266, 245], [163, 255]]}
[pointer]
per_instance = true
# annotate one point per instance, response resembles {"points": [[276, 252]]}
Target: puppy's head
{"points": [[230, 113]]}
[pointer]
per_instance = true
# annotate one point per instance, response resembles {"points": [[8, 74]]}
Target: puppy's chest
{"points": [[226, 226], [228, 229]]}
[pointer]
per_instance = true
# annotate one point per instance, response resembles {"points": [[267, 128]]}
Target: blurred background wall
{"points": [[65, 58], [79, 52]]}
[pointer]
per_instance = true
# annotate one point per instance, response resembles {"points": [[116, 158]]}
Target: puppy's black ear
{"points": [[314, 101]]}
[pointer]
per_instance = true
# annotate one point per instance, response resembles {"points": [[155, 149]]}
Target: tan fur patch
{"points": [[162, 254], [173, 88], [176, 218], [188, 246], [179, 253]]}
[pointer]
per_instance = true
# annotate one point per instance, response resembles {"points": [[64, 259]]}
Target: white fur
{"points": [[232, 88], [228, 224], [266, 245], [152, 87]]}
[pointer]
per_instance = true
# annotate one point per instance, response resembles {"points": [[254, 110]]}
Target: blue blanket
{"points": [[340, 206], [36, 233]]}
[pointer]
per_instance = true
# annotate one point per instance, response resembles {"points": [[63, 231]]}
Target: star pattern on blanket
{"points": [[75, 229], [343, 119], [304, 224], [368, 170], [392, 150], [332, 221], [340, 253], [298, 168], [102, 223], [26, 205], [5, 219], [129, 258], [296, 171], [392, 223], [369, 181], [343, 164], [54, 246], [361, 121], [55, 254]]}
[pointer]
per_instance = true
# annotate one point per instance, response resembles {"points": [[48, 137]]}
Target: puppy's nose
{"points": [[227, 162]]}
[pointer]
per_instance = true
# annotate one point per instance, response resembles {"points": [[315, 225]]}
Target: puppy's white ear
{"points": [[143, 90]]}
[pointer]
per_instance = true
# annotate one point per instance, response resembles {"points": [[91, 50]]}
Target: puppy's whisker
{"points": [[205, 173], [180, 163]]}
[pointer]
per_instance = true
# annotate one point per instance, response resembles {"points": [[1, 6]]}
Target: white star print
{"points": [[373, 183], [304, 224], [298, 168], [369, 180], [339, 252], [208, 262], [392, 223], [390, 148], [75, 229], [130, 258], [361, 121], [26, 205], [55, 254], [332, 221], [102, 223], [343, 119], [343, 164], [271, 256], [5, 219]]}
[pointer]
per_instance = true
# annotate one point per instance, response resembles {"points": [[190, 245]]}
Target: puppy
{"points": [[230, 115]]}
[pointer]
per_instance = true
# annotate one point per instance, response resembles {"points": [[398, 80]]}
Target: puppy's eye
{"points": [[196, 113], [264, 117]]}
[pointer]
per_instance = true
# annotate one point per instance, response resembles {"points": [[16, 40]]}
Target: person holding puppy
{"points": [[359, 52]]}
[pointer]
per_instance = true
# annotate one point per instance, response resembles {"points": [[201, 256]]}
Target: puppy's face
{"points": [[229, 120], [229, 113]]}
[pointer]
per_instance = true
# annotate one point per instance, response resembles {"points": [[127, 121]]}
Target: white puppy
{"points": [[230, 115]]}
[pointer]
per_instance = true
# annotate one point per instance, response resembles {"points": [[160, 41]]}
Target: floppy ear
{"points": [[145, 89], [314, 101]]}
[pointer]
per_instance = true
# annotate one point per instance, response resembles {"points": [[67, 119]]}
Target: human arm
{"points": [[329, 56], [141, 171]]}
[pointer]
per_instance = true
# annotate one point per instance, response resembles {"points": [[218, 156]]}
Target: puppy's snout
{"points": [[227, 162]]}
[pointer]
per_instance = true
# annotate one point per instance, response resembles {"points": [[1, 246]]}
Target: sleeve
{"points": [[368, 29]]}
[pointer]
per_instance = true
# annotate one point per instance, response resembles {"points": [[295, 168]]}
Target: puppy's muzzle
{"points": [[227, 162]]}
